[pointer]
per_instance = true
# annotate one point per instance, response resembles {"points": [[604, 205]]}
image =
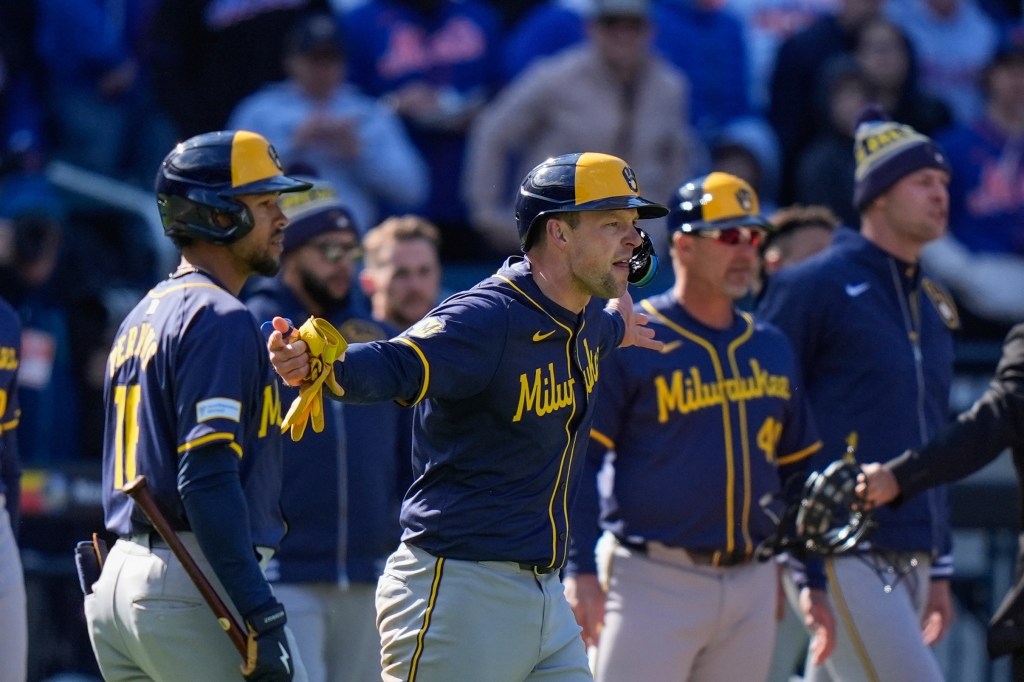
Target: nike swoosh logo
{"points": [[855, 290], [539, 336], [670, 346]]}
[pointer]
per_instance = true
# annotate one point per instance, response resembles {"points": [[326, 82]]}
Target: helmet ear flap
{"points": [[643, 264], [221, 224]]}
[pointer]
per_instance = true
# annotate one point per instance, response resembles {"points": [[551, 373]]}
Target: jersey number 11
{"points": [[126, 439]]}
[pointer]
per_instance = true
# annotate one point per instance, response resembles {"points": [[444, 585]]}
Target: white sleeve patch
{"points": [[218, 408], [425, 328]]}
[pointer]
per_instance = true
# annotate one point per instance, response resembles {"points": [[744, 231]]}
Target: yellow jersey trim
{"points": [[212, 438], [426, 371], [800, 454], [565, 462], [730, 455], [602, 439]]}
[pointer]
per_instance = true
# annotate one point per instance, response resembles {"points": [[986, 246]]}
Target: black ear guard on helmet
{"points": [[643, 264]]}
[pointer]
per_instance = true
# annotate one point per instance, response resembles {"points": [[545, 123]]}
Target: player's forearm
{"points": [[994, 423], [380, 371], [959, 450], [211, 492]]}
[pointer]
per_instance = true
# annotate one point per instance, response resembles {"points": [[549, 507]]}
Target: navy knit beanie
{"points": [[313, 213], [886, 152]]}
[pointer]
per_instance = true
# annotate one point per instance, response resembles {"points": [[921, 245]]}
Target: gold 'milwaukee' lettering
{"points": [[688, 393], [544, 395], [138, 342], [271, 412], [8, 357], [593, 359]]}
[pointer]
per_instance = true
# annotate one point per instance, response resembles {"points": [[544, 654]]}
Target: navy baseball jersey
{"points": [[503, 381], [189, 368], [874, 340], [701, 431]]}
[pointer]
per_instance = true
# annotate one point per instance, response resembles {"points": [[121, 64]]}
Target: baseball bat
{"points": [[139, 491]]}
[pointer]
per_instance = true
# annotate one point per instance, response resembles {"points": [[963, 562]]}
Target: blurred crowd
{"points": [[435, 108]]}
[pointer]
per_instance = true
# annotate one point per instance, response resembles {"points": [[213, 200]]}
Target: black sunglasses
{"points": [[333, 252]]}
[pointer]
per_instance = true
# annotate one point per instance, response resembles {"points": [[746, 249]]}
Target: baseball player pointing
{"points": [[503, 378]]}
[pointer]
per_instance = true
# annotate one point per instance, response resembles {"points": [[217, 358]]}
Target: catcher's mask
{"points": [[586, 181], [200, 179], [828, 517], [832, 518]]}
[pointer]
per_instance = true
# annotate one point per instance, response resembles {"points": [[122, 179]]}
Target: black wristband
{"points": [[267, 617]]}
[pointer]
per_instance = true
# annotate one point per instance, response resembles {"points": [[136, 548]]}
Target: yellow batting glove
{"points": [[326, 346]]}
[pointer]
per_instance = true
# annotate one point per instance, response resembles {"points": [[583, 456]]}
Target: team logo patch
{"points": [[943, 303], [745, 199], [425, 328], [218, 408], [630, 175]]}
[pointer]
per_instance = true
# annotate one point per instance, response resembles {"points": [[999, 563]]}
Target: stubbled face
{"points": [[916, 208], [600, 249], [325, 266], [259, 252], [406, 282], [728, 270]]}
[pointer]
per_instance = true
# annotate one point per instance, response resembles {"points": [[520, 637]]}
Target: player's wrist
{"points": [[268, 616]]}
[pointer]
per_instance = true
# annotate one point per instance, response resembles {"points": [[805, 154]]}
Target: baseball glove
{"points": [[326, 345]]}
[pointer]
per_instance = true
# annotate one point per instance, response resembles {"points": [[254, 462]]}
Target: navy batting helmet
{"points": [[716, 201], [585, 181], [199, 181]]}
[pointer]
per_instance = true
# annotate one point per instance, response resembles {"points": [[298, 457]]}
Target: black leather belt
{"points": [[699, 557], [537, 570]]}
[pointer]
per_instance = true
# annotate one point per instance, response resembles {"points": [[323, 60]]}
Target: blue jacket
{"points": [[342, 524], [874, 339]]}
